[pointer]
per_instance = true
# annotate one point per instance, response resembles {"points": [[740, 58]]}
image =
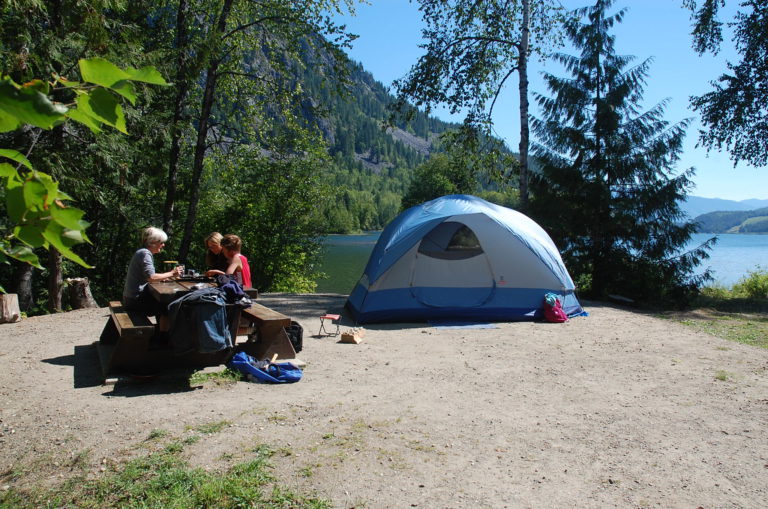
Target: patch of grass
{"points": [[750, 329], [164, 479], [722, 375], [192, 439], [223, 377], [174, 447], [212, 427], [157, 434], [81, 460]]}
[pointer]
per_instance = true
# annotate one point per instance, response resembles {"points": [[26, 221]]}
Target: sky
{"points": [[388, 45]]}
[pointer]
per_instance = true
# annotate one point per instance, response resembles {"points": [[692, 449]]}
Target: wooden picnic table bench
{"points": [[270, 337], [125, 337]]}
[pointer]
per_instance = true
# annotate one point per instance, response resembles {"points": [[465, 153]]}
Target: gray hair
{"points": [[152, 235]]}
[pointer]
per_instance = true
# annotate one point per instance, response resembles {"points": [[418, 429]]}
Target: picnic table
{"points": [[128, 342]]}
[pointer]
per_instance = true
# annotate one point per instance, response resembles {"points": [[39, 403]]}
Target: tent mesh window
{"points": [[450, 241]]}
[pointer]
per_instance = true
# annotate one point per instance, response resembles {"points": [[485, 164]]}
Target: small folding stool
{"points": [[334, 321]]}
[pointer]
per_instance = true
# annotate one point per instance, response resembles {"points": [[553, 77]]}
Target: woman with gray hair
{"points": [[141, 271]]}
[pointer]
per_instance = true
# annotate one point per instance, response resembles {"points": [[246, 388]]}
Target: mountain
{"points": [[372, 165], [695, 206], [751, 221]]}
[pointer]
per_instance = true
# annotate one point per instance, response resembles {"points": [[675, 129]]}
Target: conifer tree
{"points": [[608, 192]]}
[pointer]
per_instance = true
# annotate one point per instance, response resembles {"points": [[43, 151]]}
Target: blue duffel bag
{"points": [[264, 371]]}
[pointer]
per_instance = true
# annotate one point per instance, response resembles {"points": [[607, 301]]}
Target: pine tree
{"points": [[608, 192]]}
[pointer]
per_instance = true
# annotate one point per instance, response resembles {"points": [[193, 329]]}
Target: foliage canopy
{"points": [[607, 192]]}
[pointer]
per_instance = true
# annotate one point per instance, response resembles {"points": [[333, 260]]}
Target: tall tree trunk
{"points": [[182, 83], [54, 280], [523, 73], [202, 135], [22, 284]]}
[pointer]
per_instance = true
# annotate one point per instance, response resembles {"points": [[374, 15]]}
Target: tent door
{"points": [[452, 283]]}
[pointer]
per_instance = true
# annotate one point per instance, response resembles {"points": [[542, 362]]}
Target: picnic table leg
{"points": [[272, 339]]}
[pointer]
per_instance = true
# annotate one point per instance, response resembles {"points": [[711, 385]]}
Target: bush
{"points": [[753, 286]]}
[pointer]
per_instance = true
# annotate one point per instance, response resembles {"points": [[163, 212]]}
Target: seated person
{"points": [[141, 271], [214, 258], [238, 264]]}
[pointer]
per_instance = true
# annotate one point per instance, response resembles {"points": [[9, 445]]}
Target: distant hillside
{"points": [[695, 206], [752, 221], [372, 166]]}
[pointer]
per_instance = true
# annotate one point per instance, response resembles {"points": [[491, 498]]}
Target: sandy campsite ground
{"points": [[618, 409]]}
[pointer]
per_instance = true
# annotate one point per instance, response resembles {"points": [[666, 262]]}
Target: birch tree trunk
{"points": [[523, 74]]}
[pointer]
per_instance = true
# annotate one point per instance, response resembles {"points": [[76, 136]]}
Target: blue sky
{"points": [[390, 33]]}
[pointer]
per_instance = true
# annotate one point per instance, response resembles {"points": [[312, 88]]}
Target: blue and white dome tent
{"points": [[460, 257]]}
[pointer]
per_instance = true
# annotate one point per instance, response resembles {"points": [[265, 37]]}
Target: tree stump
{"points": [[9, 308], [79, 293]]}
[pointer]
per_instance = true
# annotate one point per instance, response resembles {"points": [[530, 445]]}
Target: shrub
{"points": [[753, 286]]}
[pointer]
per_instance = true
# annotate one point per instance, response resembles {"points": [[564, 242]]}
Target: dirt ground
{"points": [[617, 409]]}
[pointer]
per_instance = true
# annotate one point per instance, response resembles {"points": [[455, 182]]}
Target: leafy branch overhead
{"points": [[472, 49], [36, 206]]}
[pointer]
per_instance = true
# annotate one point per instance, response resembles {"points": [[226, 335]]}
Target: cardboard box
{"points": [[352, 336]]}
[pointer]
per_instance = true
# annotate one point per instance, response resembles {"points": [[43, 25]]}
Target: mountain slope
{"points": [[695, 206], [752, 221]]}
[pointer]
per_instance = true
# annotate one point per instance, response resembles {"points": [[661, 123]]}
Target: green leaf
{"points": [[35, 194], [103, 106], [46, 180], [7, 171], [28, 105], [101, 72], [14, 201], [77, 236], [15, 156], [68, 217], [63, 196], [105, 73], [126, 89], [146, 74], [39, 85], [8, 122], [24, 254], [54, 234], [88, 121], [32, 235]]}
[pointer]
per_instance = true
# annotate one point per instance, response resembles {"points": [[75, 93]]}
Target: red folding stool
{"points": [[334, 321]]}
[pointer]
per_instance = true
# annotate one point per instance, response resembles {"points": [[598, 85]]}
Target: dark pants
{"points": [[146, 304]]}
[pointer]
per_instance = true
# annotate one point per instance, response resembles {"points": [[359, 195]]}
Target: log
{"points": [[79, 293], [9, 308]]}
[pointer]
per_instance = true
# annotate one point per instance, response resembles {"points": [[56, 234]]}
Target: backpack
{"points": [[553, 309]]}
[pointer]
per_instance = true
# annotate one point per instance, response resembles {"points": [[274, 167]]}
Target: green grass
{"points": [[223, 377], [212, 427], [164, 480], [739, 313], [157, 434], [723, 376], [750, 329]]}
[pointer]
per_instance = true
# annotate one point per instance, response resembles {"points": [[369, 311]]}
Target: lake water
{"points": [[344, 261], [732, 257]]}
